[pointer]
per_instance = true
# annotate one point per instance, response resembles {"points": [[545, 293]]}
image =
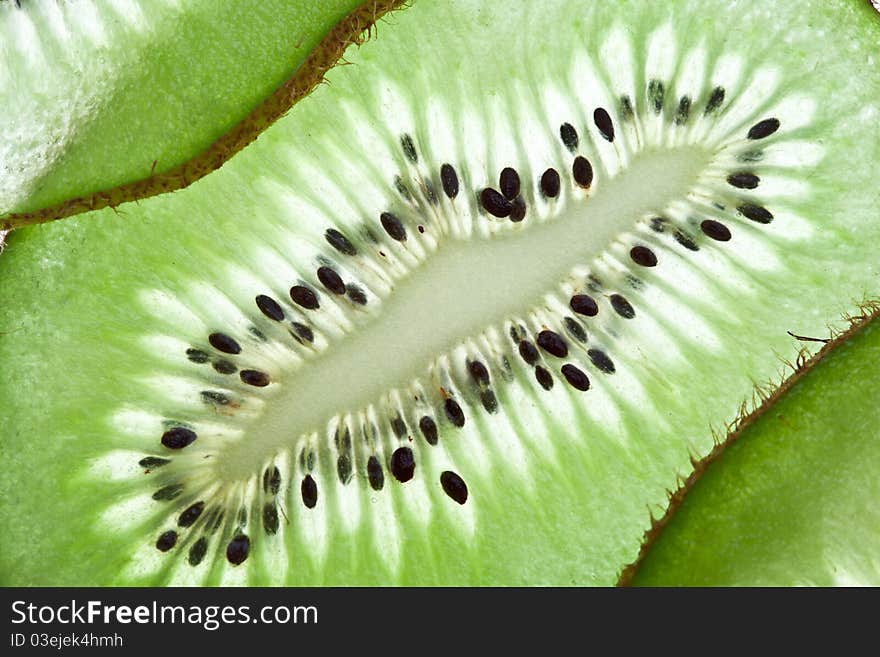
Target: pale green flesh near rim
{"points": [[819, 524], [98, 94], [560, 483]]}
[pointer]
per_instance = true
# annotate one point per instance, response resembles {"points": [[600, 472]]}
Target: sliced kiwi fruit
{"points": [[464, 315], [99, 94], [747, 522]]}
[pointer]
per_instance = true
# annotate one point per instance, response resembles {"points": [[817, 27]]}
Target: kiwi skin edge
{"points": [[356, 28], [763, 399]]}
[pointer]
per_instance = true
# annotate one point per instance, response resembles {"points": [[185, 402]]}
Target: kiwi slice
{"points": [[109, 93], [464, 315], [817, 525]]}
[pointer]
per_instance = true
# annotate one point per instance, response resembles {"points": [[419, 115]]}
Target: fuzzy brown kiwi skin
{"points": [[763, 399], [355, 28]]}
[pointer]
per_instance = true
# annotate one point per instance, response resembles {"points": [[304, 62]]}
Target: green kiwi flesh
{"points": [[101, 94], [818, 525], [230, 384]]}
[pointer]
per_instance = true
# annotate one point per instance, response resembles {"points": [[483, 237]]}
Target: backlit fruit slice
{"points": [[461, 413]]}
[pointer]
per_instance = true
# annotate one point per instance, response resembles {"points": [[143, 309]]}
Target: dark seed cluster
{"points": [[507, 203], [224, 352]]}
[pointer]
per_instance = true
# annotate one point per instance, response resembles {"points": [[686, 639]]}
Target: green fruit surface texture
{"points": [[794, 501], [100, 93], [466, 314]]}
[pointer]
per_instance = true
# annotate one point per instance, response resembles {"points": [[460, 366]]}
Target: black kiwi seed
{"points": [[190, 514], [626, 108], [528, 352], [237, 549], [169, 492], [303, 296], [453, 412], [269, 307], [495, 203], [622, 307], [716, 230], [303, 331], [409, 148], [715, 100], [343, 468], [643, 256], [153, 462], [309, 491], [197, 355], [197, 551], [254, 378], [478, 372], [272, 480], [331, 280], [449, 180], [569, 136], [756, 213], [429, 429], [489, 401], [223, 366], [393, 226], [339, 242], [575, 329], [550, 183], [508, 183], [582, 171], [552, 343], [403, 464], [743, 180], [222, 342], [584, 304], [655, 95], [214, 397], [517, 210], [178, 437], [683, 113], [375, 474], [398, 426], [601, 360], [764, 128], [603, 121], [544, 378], [270, 518], [685, 240], [357, 295], [454, 486], [167, 540], [575, 377]]}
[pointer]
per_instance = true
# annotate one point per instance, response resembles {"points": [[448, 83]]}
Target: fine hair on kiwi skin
{"points": [[403, 346]]}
